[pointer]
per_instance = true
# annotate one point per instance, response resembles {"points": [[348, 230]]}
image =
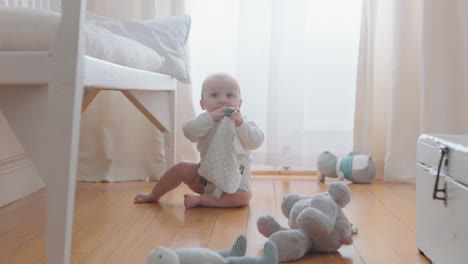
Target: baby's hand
{"points": [[218, 114], [237, 117]]}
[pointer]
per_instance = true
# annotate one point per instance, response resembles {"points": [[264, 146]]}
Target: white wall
{"points": [[18, 177]]}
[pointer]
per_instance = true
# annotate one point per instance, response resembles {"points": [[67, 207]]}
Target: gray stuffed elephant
{"points": [[355, 168], [316, 223]]}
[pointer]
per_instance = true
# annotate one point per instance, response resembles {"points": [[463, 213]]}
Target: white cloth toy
{"points": [[221, 165], [234, 255]]}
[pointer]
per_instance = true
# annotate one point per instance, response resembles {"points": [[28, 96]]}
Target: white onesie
{"points": [[202, 130]]}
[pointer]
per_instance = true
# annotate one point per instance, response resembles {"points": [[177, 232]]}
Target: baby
{"points": [[219, 92]]}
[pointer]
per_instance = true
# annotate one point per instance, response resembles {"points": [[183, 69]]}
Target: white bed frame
{"points": [[42, 95]]}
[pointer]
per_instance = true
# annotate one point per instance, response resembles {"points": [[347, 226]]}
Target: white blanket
{"points": [[221, 163]]}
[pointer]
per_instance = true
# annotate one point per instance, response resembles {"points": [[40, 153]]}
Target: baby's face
{"points": [[220, 92]]}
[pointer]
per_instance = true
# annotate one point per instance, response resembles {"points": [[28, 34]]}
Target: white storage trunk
{"points": [[441, 221]]}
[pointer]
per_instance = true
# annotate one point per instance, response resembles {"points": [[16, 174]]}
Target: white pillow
{"points": [[23, 29], [167, 36], [103, 44]]}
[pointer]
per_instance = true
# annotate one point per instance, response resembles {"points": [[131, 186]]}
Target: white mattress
{"points": [[98, 73]]}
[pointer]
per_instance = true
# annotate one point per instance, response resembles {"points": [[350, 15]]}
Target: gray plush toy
{"points": [[197, 255], [316, 223], [355, 168]]}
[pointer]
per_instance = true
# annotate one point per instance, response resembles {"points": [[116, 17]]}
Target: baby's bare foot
{"points": [[145, 198], [191, 201]]}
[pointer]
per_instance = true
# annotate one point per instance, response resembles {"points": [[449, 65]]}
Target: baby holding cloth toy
{"points": [[224, 138]]}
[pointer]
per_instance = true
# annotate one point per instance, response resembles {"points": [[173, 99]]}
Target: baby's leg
{"points": [[236, 199], [183, 172]]}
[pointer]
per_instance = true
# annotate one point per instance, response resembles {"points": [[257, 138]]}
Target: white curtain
{"points": [[117, 142], [296, 64], [411, 79]]}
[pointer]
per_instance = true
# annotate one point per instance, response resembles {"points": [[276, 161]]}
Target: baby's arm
{"points": [[198, 127], [250, 135]]}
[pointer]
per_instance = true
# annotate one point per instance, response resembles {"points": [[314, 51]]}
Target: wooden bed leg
{"points": [[89, 95], [169, 149], [170, 138], [152, 104]]}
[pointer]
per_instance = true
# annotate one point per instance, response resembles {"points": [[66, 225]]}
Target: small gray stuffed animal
{"points": [[355, 168]]}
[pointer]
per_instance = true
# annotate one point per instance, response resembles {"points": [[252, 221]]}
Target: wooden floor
{"points": [[109, 228]]}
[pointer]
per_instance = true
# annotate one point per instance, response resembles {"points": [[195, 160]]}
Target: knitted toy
{"points": [[355, 168], [221, 164], [316, 223], [234, 255]]}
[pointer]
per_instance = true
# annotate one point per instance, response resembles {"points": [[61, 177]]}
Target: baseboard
{"points": [[283, 172], [14, 163], [18, 178]]}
